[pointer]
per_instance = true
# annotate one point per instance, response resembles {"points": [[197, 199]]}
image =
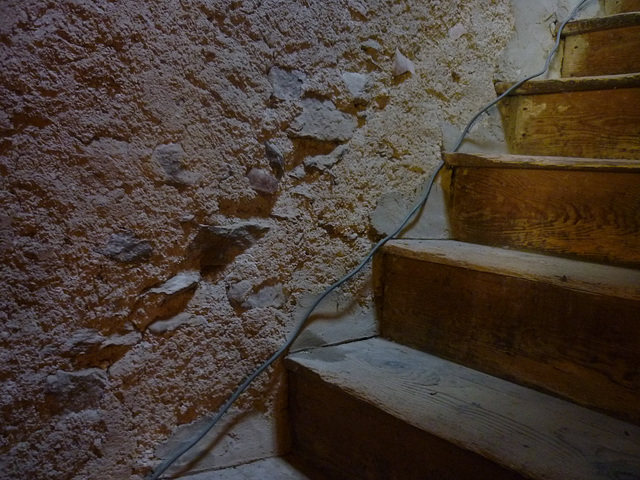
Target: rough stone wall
{"points": [[178, 177]]}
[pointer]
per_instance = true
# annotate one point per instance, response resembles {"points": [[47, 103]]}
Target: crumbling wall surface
{"points": [[178, 176]]}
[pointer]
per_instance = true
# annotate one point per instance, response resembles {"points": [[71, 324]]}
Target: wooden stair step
{"points": [[562, 326], [611, 7], [378, 410], [595, 117], [580, 207], [602, 46]]}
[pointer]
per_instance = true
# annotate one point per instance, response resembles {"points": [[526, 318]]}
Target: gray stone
{"points": [[287, 84], [457, 31], [388, 214], [77, 390], [321, 120], [298, 172], [127, 248], [84, 340], [122, 340], [275, 157], [262, 181], [402, 65], [173, 323], [325, 162], [356, 83], [270, 296], [238, 292], [178, 283], [216, 245], [171, 158], [371, 45], [240, 295]]}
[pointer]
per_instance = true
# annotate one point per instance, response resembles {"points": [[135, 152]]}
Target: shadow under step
{"points": [[562, 326], [377, 410], [577, 207], [602, 46], [597, 117]]}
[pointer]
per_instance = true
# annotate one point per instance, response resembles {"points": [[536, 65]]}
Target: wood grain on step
{"points": [[346, 438], [612, 7], [580, 344], [597, 124], [341, 391], [588, 214], [477, 160], [605, 52]]}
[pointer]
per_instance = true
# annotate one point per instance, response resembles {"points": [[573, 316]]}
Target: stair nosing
{"points": [[423, 390], [609, 22], [542, 162], [572, 84], [598, 279]]}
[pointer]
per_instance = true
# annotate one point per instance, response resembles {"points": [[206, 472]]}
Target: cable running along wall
{"points": [[302, 322]]}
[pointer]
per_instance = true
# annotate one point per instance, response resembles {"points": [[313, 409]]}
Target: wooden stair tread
{"points": [[535, 434], [621, 20], [564, 327], [480, 160], [566, 273], [576, 84], [602, 46]]}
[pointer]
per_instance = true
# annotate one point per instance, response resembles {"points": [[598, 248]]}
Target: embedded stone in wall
{"points": [[167, 300], [122, 340], [127, 248], [77, 390], [173, 323], [262, 181], [216, 245], [275, 157], [356, 83], [240, 295], [88, 347], [178, 283], [270, 296], [171, 158], [388, 213], [402, 65], [321, 120], [237, 293], [457, 31], [287, 84], [83, 341], [325, 162], [371, 46]]}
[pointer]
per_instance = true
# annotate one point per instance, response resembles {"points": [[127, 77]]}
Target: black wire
{"points": [[301, 324]]}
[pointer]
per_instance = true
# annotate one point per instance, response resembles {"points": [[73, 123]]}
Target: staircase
{"points": [[512, 351]]}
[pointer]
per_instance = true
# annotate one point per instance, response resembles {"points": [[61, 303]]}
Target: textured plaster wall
{"points": [[178, 179]]}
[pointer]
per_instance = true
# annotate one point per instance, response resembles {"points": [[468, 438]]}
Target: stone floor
{"points": [[277, 468]]}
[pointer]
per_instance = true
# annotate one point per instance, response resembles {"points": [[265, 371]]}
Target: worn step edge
{"points": [[562, 272], [572, 84], [530, 432], [479, 160], [588, 25]]}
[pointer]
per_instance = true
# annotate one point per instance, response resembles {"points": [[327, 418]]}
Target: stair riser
{"points": [[582, 346], [607, 52], [346, 438], [585, 214], [613, 7], [597, 124]]}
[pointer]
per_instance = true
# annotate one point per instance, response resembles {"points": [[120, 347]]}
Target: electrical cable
{"points": [[302, 322]]}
